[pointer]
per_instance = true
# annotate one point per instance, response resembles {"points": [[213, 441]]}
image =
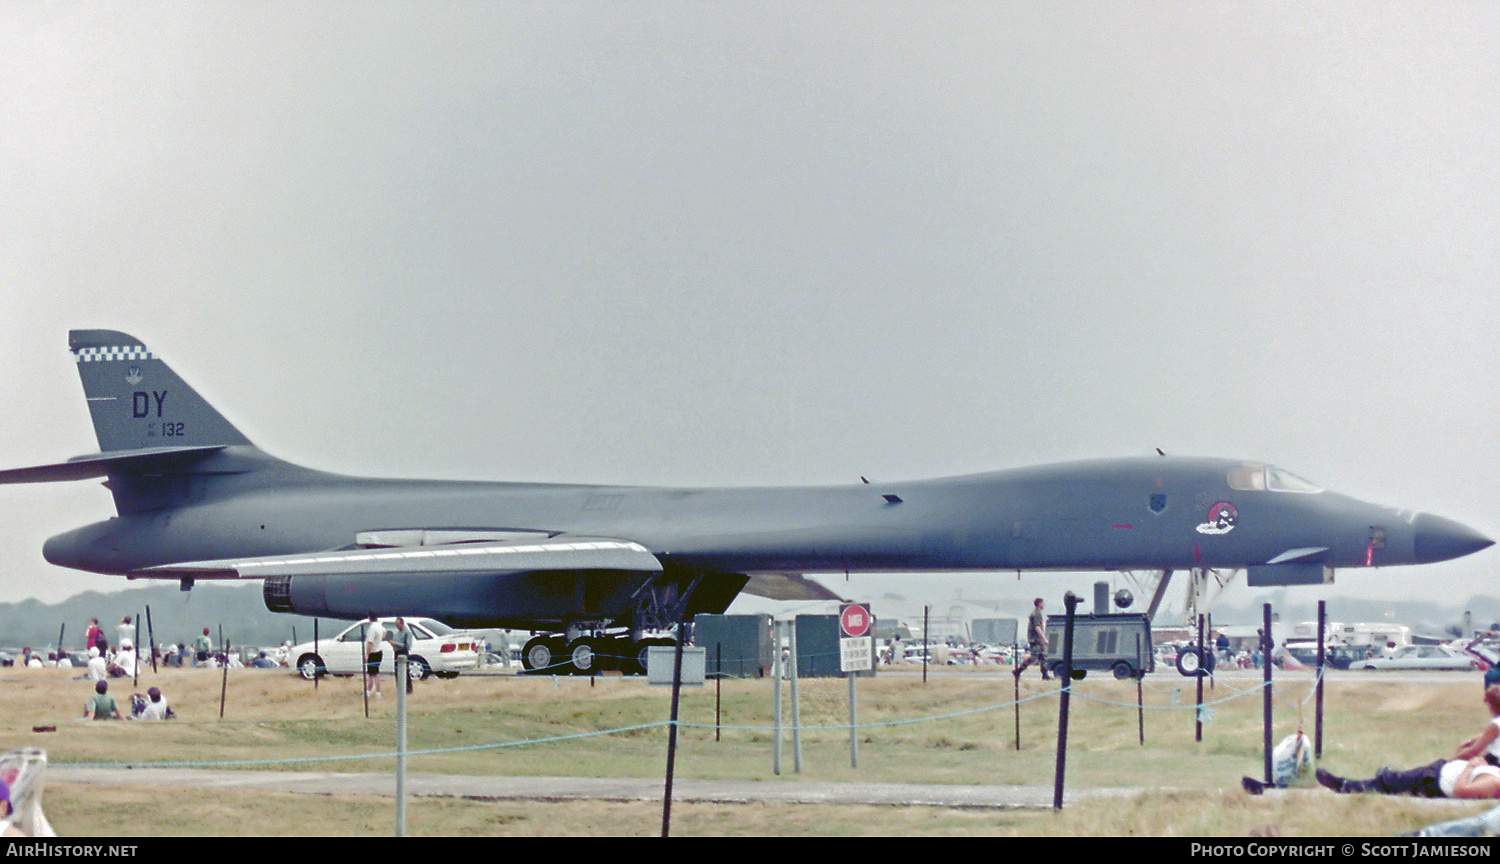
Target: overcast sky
{"points": [[766, 243]]}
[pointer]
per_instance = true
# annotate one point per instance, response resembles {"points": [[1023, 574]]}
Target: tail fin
{"points": [[138, 402]]}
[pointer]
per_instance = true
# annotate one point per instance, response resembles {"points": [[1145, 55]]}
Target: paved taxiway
{"points": [[581, 788]]}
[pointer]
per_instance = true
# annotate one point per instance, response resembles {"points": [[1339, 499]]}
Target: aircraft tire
{"points": [[538, 655], [581, 657], [1194, 663], [634, 661]]}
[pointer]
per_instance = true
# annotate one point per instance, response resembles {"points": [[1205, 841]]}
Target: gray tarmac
{"points": [[786, 791]]}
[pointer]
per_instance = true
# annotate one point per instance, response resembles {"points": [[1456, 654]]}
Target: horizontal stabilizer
{"points": [[577, 553], [787, 586], [100, 464]]}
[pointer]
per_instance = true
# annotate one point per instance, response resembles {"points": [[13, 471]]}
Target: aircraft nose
{"points": [[1439, 539]]}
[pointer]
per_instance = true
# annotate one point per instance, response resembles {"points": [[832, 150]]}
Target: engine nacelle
{"points": [[527, 600], [514, 600]]}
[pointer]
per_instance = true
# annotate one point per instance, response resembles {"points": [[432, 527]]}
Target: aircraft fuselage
{"points": [[1145, 513]]}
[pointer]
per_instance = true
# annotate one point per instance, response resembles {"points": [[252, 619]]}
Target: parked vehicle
{"points": [[1334, 656], [438, 650], [1422, 657], [1118, 642]]}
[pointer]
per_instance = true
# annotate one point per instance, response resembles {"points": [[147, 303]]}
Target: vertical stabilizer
{"points": [[136, 401]]}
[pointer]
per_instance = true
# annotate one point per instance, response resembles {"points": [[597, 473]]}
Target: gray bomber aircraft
{"points": [[602, 571]]}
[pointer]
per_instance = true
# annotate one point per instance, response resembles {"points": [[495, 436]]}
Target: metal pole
{"points": [[796, 706], [1266, 644], [1017, 679], [1202, 663], [1070, 602], [926, 641], [151, 632], [853, 726], [224, 683], [403, 673], [1318, 711], [1140, 701], [777, 666], [718, 690], [666, 806], [364, 662]]}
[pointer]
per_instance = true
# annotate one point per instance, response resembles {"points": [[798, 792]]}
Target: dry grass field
{"points": [[957, 728]]}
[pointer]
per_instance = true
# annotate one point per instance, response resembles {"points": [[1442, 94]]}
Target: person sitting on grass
{"points": [[1473, 772], [152, 706], [101, 705], [1483, 748]]}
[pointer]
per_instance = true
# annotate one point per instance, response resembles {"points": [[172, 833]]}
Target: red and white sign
{"points": [[854, 619], [856, 648]]}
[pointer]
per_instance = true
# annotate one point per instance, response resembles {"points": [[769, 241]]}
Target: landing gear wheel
{"points": [[634, 661], [539, 655], [1193, 662], [582, 657]]}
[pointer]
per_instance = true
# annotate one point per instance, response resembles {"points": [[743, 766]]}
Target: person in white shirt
{"points": [[125, 632], [374, 653], [156, 706], [124, 663], [98, 668]]}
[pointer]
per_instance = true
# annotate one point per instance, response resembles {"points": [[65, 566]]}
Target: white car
{"points": [[1420, 657], [438, 649]]}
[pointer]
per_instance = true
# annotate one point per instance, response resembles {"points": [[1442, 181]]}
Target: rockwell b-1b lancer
{"points": [[602, 571]]}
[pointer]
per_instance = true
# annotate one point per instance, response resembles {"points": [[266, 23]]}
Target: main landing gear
{"points": [[556, 654], [587, 647]]}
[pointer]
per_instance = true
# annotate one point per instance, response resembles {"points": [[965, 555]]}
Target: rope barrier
{"points": [[682, 724]]}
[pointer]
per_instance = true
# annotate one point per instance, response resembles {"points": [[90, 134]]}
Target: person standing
{"points": [[401, 640], [374, 653], [1036, 638], [125, 632], [202, 646]]}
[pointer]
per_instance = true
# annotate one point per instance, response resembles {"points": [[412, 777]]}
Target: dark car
{"points": [[1334, 656]]}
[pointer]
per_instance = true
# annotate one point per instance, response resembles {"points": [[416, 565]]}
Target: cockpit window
{"points": [[1247, 478], [1278, 480], [1252, 477]]}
